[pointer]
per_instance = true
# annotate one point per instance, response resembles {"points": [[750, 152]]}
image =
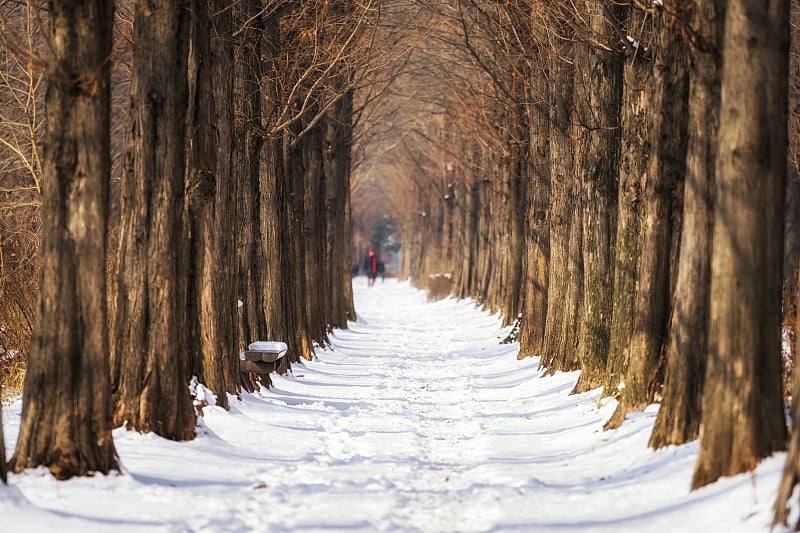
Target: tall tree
{"points": [[336, 165], [679, 416], [598, 94], [248, 140], [150, 355], [218, 312], [636, 123], [536, 264], [662, 174], [66, 417], [565, 285], [743, 418], [211, 192]]}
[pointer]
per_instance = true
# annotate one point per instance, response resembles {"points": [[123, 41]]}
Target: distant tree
{"points": [[337, 146], [743, 415], [22, 130], [66, 416], [791, 469], [149, 356]]}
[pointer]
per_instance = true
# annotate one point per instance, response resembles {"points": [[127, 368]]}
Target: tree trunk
{"points": [[565, 284], [201, 187], [272, 208], [509, 289], [679, 416], [636, 121], [151, 374], [313, 233], [248, 141], [537, 245], [664, 173], [66, 416], [599, 75], [290, 196], [743, 418], [216, 267], [336, 164]]}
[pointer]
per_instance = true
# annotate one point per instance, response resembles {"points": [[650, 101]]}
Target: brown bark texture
{"points": [[537, 238], [678, 419], [211, 192], [565, 284], [248, 141], [743, 419], [150, 352], [662, 174], [636, 123], [66, 417], [598, 94], [336, 165]]}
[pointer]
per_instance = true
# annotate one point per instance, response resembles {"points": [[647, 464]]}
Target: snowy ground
{"points": [[416, 420]]}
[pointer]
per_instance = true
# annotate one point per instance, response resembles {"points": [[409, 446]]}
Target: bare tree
{"points": [[743, 417], [66, 402], [149, 351], [680, 413], [598, 93], [648, 252]]}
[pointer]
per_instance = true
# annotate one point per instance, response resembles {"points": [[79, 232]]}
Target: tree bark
{"points": [[565, 285], [336, 165], [150, 351], [248, 141], [291, 186], [678, 419], [537, 243], [743, 417], [215, 220], [66, 416], [636, 122], [663, 174], [201, 178], [313, 230], [599, 78]]}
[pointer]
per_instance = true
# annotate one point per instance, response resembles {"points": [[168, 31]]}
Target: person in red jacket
{"points": [[371, 267]]}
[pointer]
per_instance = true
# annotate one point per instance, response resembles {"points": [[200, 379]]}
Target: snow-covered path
{"points": [[416, 419]]}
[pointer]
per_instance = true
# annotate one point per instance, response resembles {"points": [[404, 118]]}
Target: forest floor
{"points": [[415, 419]]}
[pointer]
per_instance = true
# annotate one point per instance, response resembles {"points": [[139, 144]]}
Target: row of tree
{"points": [[613, 175], [231, 222]]}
